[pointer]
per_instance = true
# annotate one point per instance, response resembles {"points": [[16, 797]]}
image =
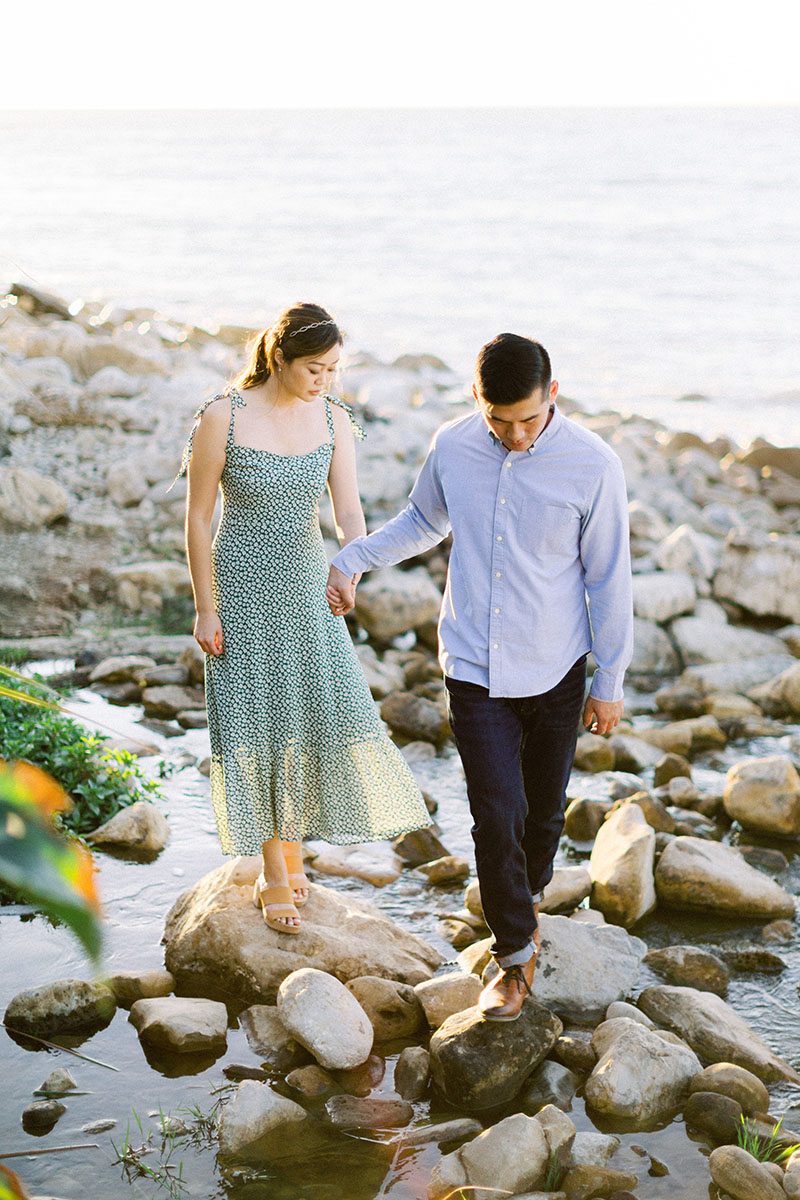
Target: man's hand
{"points": [[340, 592], [606, 714]]}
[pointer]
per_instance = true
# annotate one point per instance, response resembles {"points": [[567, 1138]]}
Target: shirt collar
{"points": [[545, 436]]}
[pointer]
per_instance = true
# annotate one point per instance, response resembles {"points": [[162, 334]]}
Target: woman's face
{"points": [[307, 378]]}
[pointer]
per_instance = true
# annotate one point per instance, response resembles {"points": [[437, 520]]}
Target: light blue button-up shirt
{"points": [[535, 534]]}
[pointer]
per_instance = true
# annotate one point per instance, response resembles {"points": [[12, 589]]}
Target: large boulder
{"points": [[780, 697], [181, 1024], [653, 652], [741, 1176], [322, 1015], [703, 641], [713, 1030], [215, 939], [639, 1075], [661, 595], [736, 1083], [761, 573], [621, 866], [688, 966], [390, 601], [509, 1158], [705, 876], [763, 794], [738, 677], [66, 1006], [686, 549], [476, 1064], [29, 500]]}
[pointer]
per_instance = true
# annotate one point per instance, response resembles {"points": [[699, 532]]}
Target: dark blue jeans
{"points": [[517, 755]]}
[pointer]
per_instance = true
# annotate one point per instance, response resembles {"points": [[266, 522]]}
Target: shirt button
{"points": [[498, 574], [503, 500], [496, 647], [508, 466], [499, 537], [497, 610]]}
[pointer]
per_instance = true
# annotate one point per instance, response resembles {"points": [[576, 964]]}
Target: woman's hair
{"points": [[300, 331]]}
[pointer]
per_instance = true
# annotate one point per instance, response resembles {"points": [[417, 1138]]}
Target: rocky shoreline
{"points": [[94, 407]]}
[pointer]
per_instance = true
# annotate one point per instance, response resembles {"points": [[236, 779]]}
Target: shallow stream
{"points": [[320, 1163]]}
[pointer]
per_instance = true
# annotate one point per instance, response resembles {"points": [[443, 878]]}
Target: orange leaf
{"points": [[48, 795]]}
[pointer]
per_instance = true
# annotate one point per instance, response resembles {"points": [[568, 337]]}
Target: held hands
{"points": [[208, 634], [606, 713], [341, 591]]}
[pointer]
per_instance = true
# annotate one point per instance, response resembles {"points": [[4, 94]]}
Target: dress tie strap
{"points": [[358, 430], [236, 402]]}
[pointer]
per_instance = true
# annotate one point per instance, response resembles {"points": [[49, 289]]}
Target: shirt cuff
{"points": [[606, 685], [351, 559]]}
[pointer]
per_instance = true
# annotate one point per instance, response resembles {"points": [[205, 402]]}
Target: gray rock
{"points": [[737, 1083], [706, 876], [415, 717], [717, 1115], [703, 641], [41, 1115], [313, 1081], [101, 1126], [169, 699], [268, 1037], [550, 1084], [66, 1006], [592, 1149], [140, 827], [446, 1133], [566, 890], [129, 986], [714, 1030], [254, 1111], [446, 995], [393, 1008], [354, 1112], [661, 595], [690, 967], [761, 573], [374, 862], [621, 866], [763, 794], [742, 1176], [583, 818], [639, 1075], [181, 1024], [322, 1015], [593, 753], [420, 846], [390, 602], [412, 1072], [476, 1064], [58, 1082], [582, 968], [739, 677], [653, 652], [444, 871], [574, 1050], [29, 500], [509, 1157], [621, 1008], [122, 668]]}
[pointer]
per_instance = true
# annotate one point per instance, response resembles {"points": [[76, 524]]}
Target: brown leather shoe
{"points": [[501, 1000]]}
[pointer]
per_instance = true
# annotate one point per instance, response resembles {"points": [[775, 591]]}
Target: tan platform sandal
{"points": [[297, 876], [274, 900]]}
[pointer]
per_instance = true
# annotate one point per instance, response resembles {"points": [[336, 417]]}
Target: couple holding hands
{"points": [[537, 508]]}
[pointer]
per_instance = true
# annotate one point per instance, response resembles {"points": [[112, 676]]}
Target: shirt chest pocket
{"points": [[550, 529]]}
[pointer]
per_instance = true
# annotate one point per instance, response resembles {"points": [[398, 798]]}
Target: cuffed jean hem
{"points": [[517, 958]]}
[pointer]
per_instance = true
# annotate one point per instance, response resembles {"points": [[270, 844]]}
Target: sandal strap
{"points": [[295, 864], [276, 897]]}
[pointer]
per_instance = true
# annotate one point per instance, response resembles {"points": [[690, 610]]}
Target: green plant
{"points": [[554, 1173], [765, 1149], [203, 1127], [166, 1175]]}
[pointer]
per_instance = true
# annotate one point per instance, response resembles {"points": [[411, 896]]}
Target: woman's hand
{"points": [[340, 592], [208, 633]]}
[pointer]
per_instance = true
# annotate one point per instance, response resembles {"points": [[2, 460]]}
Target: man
{"points": [[538, 512]]}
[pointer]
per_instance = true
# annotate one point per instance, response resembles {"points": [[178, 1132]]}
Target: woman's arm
{"points": [[343, 481], [205, 471]]}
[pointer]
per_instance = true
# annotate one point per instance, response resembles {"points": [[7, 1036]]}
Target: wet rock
{"points": [[737, 1083], [412, 1072], [707, 876], [713, 1030], [29, 500], [129, 986], [761, 573], [447, 994], [353, 1112], [476, 1064], [510, 1157], [752, 958], [593, 753], [638, 1075], [141, 826], [41, 1115], [779, 931], [374, 862], [780, 697], [671, 766], [169, 700], [361, 1080], [446, 1133], [582, 1182], [313, 1081], [742, 1176], [592, 1149], [122, 668], [181, 1024], [717, 1115], [195, 718], [583, 818], [101, 1126], [621, 866], [393, 1008], [420, 846], [268, 1037], [236, 1072], [763, 794], [551, 1083], [582, 968], [65, 1006], [687, 966], [255, 1110], [413, 716], [58, 1082], [661, 595], [445, 871], [325, 1017], [566, 890], [574, 1050]]}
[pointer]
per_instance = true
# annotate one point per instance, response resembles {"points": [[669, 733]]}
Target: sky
{"points": [[404, 53]]}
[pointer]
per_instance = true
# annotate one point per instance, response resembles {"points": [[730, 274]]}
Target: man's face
{"points": [[518, 425]]}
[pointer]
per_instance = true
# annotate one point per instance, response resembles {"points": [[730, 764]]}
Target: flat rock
{"points": [[739, 677], [65, 1006], [354, 1112], [688, 966], [374, 862], [181, 1024], [701, 875], [703, 641], [714, 1030], [254, 1111], [476, 1064], [141, 826], [215, 939], [447, 1132], [322, 1015], [129, 986], [761, 573], [122, 668]]}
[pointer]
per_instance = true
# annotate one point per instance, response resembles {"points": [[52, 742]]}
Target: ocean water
{"points": [[655, 252]]}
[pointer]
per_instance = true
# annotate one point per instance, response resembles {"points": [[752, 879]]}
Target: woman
{"points": [[297, 747]]}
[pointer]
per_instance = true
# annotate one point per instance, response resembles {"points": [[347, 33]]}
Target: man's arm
{"points": [[605, 554], [423, 523]]}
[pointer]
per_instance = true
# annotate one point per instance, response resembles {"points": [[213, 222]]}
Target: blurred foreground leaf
{"points": [[11, 1186]]}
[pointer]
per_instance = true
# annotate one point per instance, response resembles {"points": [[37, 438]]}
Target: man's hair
{"points": [[510, 368]]}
